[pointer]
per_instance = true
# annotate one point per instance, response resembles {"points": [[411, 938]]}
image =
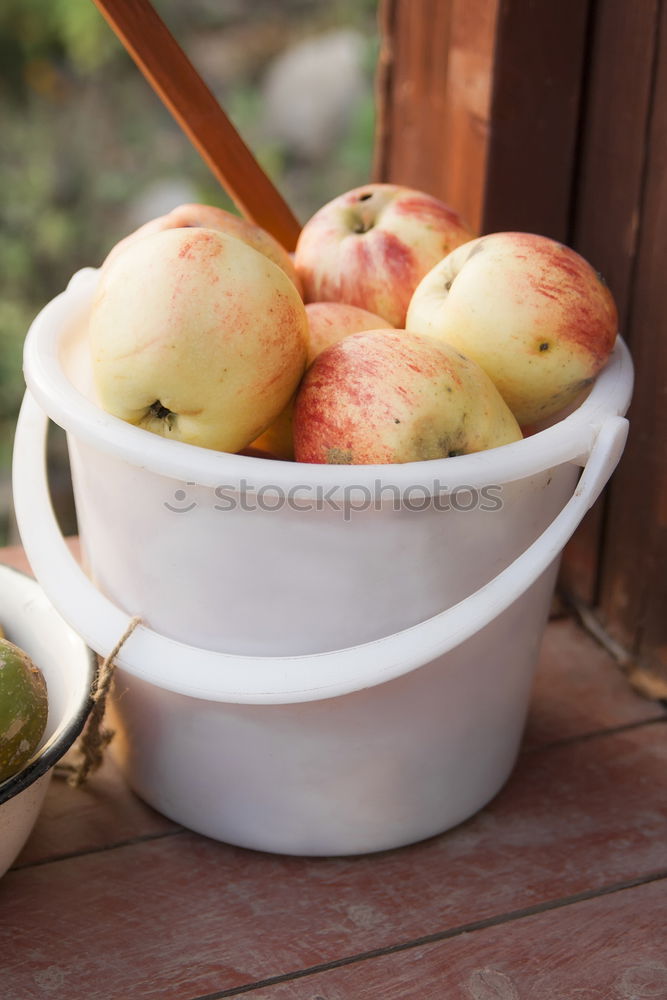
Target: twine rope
{"points": [[95, 736]]}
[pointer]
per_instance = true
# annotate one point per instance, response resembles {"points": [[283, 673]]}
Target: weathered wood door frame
{"points": [[552, 118]]}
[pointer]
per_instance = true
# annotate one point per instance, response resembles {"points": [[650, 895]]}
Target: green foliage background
{"points": [[83, 135]]}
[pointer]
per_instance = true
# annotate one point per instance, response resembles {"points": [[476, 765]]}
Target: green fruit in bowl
{"points": [[23, 708]]}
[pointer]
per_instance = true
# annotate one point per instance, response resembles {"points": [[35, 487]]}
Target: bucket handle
{"points": [[218, 676]]}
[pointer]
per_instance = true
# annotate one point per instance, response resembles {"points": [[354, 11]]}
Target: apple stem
{"points": [[160, 411]]}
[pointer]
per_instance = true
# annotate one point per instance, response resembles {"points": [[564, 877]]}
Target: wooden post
{"points": [[433, 96], [552, 118], [633, 579]]}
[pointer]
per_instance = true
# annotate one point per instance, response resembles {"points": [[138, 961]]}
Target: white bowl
{"points": [[69, 666]]}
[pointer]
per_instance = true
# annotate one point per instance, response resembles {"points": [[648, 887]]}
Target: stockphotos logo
{"points": [[347, 500]]}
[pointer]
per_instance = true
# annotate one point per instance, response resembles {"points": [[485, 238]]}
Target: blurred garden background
{"points": [[88, 152]]}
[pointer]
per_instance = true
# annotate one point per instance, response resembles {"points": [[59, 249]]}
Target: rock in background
{"points": [[310, 93]]}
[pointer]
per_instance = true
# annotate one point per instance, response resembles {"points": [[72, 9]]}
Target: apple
{"points": [[328, 322], [197, 337], [388, 396], [24, 708], [531, 312], [371, 246], [210, 217], [252, 452]]}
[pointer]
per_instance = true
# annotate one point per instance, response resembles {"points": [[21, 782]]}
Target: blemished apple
{"points": [[371, 246], [531, 312], [197, 337], [328, 322], [391, 396], [211, 217]]}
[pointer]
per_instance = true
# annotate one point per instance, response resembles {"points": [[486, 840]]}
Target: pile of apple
{"points": [[391, 335]]}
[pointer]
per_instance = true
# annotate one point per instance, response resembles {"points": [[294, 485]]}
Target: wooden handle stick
{"points": [[179, 86]]}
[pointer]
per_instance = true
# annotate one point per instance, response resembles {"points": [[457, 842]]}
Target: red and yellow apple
{"points": [[210, 217], [198, 337], [371, 246], [388, 396], [328, 322], [531, 312]]}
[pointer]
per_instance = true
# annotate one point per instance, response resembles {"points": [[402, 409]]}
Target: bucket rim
{"points": [[566, 440]]}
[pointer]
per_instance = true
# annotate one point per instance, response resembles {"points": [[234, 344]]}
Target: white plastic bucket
{"points": [[297, 686]]}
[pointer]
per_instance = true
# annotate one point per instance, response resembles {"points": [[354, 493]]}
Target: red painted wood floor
{"points": [[556, 891]]}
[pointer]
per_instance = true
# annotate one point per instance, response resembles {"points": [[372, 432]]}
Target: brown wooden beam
{"points": [[539, 68], [552, 118], [433, 96], [606, 213], [633, 597]]}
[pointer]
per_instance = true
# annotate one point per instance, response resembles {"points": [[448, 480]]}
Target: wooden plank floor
{"points": [[557, 890]]}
